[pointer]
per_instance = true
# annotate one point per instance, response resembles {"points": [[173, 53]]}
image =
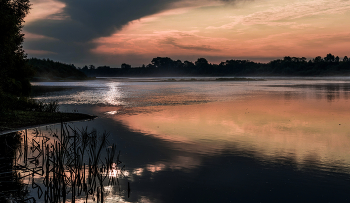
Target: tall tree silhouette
{"points": [[329, 58], [15, 71]]}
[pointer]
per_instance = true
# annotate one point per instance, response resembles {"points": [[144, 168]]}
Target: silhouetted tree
{"points": [[162, 62], [85, 68], [103, 68], [15, 72], [337, 59], [345, 59], [202, 66], [201, 62], [124, 65], [318, 59], [288, 66], [329, 58], [53, 70], [178, 64], [287, 58], [188, 64]]}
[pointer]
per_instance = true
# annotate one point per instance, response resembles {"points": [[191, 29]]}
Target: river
{"points": [[202, 140]]}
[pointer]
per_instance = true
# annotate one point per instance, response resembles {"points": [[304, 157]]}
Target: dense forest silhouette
{"points": [[46, 69], [288, 66]]}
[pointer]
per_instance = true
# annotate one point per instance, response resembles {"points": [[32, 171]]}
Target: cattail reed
{"points": [[69, 165]]}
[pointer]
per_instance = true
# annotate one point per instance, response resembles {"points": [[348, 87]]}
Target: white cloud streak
{"points": [[286, 15]]}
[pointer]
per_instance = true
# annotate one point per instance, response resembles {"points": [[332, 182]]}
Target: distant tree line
{"points": [[288, 66], [46, 69]]}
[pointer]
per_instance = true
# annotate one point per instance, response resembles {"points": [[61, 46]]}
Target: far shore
{"points": [[20, 120]]}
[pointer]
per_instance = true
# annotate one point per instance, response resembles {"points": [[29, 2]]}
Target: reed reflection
{"points": [[66, 164], [272, 127]]}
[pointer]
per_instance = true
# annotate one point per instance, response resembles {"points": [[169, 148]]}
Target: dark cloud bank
{"points": [[87, 20]]}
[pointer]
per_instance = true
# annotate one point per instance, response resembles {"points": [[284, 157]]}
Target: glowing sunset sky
{"points": [[111, 32]]}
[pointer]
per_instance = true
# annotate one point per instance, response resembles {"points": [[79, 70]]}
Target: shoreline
{"points": [[20, 120]]}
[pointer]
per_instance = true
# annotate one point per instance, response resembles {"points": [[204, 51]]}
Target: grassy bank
{"points": [[21, 119], [21, 112]]}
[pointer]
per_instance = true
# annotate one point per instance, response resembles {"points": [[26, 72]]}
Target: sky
{"points": [[112, 32]]}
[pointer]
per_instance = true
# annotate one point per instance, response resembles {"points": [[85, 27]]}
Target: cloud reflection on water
{"points": [[268, 126]]}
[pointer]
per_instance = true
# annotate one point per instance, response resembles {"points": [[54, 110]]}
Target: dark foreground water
{"points": [[278, 140]]}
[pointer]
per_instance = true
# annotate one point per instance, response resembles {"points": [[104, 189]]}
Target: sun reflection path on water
{"points": [[113, 95], [106, 93]]}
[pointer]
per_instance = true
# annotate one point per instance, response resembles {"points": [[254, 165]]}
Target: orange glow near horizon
{"points": [[274, 29], [241, 30]]}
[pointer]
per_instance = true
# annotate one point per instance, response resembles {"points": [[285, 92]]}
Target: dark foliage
{"points": [[46, 69], [12, 103], [14, 69], [288, 66]]}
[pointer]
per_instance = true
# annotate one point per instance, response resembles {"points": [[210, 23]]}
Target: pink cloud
{"points": [[45, 9]]}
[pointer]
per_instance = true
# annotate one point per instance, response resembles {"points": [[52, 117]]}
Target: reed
{"points": [[10, 103], [67, 164]]}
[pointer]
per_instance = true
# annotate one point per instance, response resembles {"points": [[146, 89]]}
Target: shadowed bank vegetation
{"points": [[18, 112], [288, 66]]}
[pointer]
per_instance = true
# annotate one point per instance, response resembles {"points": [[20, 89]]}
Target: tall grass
{"points": [[11, 103], [40, 106], [66, 165]]}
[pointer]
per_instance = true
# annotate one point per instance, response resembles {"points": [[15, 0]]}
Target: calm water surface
{"points": [[278, 140]]}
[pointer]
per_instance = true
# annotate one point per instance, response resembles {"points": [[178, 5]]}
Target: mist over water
{"points": [[218, 141]]}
